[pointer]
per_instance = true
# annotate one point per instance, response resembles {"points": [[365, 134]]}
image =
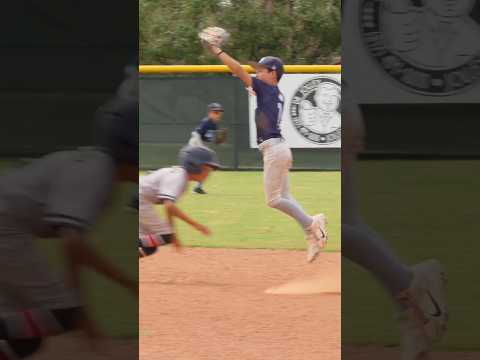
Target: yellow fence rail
{"points": [[175, 69]]}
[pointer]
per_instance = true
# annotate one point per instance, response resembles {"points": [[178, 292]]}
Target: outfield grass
{"points": [[236, 212], [425, 209]]}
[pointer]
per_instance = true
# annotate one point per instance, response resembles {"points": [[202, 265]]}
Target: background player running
{"points": [[277, 156], [206, 133], [165, 187]]}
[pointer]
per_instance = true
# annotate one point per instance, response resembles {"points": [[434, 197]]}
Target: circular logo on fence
{"points": [[315, 110], [429, 46]]}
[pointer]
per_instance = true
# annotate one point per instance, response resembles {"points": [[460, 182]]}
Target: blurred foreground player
{"points": [[60, 196]]}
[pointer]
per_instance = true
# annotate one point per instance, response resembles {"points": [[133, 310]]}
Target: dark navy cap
{"points": [[215, 107], [271, 63]]}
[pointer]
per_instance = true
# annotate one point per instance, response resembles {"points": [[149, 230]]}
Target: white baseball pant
{"points": [[277, 161], [150, 222]]}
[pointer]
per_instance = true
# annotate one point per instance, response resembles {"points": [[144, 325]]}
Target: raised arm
{"points": [[232, 64]]}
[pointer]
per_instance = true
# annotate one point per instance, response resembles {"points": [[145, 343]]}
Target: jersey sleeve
{"points": [[79, 193], [173, 185]]}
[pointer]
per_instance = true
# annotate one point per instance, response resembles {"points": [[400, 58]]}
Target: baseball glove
{"points": [[215, 36], [220, 136]]}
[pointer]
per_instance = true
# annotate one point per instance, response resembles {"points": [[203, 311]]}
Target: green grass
{"points": [[236, 212], [431, 213]]}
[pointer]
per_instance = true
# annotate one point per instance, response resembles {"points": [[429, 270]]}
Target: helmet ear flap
{"points": [[192, 168]]}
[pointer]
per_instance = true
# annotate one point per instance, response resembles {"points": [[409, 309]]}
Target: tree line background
{"points": [[298, 31]]}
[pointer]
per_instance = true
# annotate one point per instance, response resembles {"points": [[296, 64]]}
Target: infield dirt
{"points": [[218, 304]]}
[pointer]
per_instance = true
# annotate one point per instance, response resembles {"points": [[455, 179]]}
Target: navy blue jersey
{"points": [[268, 114], [206, 129]]}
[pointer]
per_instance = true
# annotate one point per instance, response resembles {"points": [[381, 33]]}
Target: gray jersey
{"points": [[164, 184], [167, 183], [67, 188]]}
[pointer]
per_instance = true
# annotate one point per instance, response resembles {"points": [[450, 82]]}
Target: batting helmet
{"points": [[116, 121], [117, 129], [193, 157]]}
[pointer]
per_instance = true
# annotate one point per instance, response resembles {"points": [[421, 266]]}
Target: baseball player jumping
{"points": [[165, 187], [418, 291], [206, 132], [277, 156]]}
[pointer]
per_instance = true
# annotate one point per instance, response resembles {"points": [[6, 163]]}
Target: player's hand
{"points": [[203, 229]]}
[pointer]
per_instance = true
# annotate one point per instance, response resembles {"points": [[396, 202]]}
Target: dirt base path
{"points": [[239, 305]]}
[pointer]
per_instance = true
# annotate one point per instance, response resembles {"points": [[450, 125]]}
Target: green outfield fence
{"points": [[173, 100]]}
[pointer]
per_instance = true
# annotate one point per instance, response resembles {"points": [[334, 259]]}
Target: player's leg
{"points": [[149, 221], [149, 244], [153, 230], [359, 243], [414, 290], [411, 288], [277, 163], [314, 244], [364, 247], [319, 218], [196, 140], [198, 189], [48, 306], [286, 194], [22, 332]]}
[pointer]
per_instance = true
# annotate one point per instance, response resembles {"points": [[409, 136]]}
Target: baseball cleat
{"points": [[199, 191], [313, 250], [319, 229], [425, 319]]}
